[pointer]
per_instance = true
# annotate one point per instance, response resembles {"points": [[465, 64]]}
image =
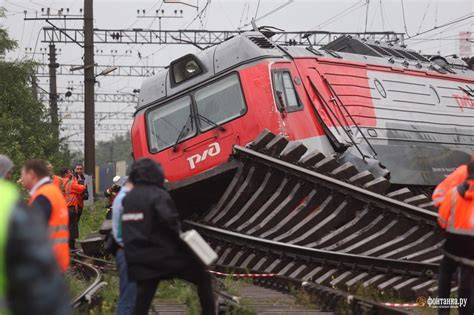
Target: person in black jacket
{"points": [[153, 248]]}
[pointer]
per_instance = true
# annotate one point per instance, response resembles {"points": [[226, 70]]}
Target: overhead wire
{"points": [[18, 5], [374, 16], [132, 46], [198, 15], [386, 17], [256, 10], [417, 41], [339, 15], [272, 11], [457, 20], [21, 38], [154, 19], [226, 15], [36, 44], [382, 15], [243, 12], [207, 14], [366, 14], [424, 16], [404, 19]]}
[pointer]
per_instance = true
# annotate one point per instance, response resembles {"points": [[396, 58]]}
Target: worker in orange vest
{"points": [[71, 190], [456, 217], [81, 180], [55, 179], [452, 180], [47, 198]]}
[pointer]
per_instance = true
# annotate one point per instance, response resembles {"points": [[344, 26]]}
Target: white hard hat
{"points": [[116, 179], [5, 165]]}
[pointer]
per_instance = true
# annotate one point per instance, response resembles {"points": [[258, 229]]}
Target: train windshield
{"points": [[214, 104], [166, 123], [220, 102]]}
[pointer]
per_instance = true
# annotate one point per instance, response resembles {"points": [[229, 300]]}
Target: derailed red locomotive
{"points": [[380, 106]]}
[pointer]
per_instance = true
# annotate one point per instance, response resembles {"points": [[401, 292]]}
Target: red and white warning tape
{"points": [[242, 274], [401, 304]]}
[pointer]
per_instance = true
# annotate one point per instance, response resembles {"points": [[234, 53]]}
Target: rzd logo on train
{"points": [[213, 150]]}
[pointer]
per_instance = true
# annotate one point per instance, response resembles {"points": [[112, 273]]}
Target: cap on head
{"points": [[5, 165], [116, 179]]}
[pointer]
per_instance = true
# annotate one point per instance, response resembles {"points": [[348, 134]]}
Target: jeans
{"points": [[197, 276], [128, 289]]}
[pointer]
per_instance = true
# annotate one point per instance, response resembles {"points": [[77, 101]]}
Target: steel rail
{"points": [[358, 304], [346, 189], [86, 296], [96, 262], [366, 263]]}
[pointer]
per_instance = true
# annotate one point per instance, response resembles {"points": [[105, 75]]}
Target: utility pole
{"points": [[89, 84], [53, 92]]}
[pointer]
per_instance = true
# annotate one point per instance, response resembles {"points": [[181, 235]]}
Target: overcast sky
{"points": [[297, 15]]}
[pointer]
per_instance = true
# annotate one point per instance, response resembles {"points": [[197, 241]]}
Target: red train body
{"points": [[386, 105]]}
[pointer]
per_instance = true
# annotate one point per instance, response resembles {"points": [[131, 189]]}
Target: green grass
{"points": [[76, 284], [232, 286], [180, 292], [109, 296], [92, 218], [302, 297]]}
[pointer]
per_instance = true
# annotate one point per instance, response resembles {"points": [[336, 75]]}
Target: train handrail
{"points": [[327, 107], [333, 92]]}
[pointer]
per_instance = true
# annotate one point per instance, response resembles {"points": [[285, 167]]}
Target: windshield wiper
{"points": [[181, 133], [210, 122]]}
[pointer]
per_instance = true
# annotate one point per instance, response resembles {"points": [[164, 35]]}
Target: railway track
{"points": [[332, 277], [91, 273], [313, 219], [99, 263]]}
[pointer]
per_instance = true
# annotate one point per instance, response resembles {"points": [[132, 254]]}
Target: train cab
{"points": [[192, 113]]}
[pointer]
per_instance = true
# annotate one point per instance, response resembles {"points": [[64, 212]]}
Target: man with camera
{"points": [[81, 180], [72, 189]]}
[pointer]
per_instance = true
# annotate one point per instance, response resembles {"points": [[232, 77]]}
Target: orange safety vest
{"points": [[66, 190], [453, 180], [456, 216], [71, 189], [456, 213], [58, 225], [57, 181]]}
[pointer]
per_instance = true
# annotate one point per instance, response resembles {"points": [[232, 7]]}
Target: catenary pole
{"points": [[89, 83]]}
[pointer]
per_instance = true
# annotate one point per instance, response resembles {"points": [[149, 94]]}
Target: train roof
{"points": [[249, 47]]}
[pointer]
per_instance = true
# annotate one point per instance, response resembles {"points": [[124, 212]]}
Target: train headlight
{"points": [[191, 67], [185, 68]]}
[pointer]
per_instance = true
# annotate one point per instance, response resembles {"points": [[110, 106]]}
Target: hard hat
{"points": [[5, 165], [116, 179]]}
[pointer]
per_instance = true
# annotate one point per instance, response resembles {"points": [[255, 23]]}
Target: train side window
{"points": [[220, 102], [285, 93], [169, 122]]}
